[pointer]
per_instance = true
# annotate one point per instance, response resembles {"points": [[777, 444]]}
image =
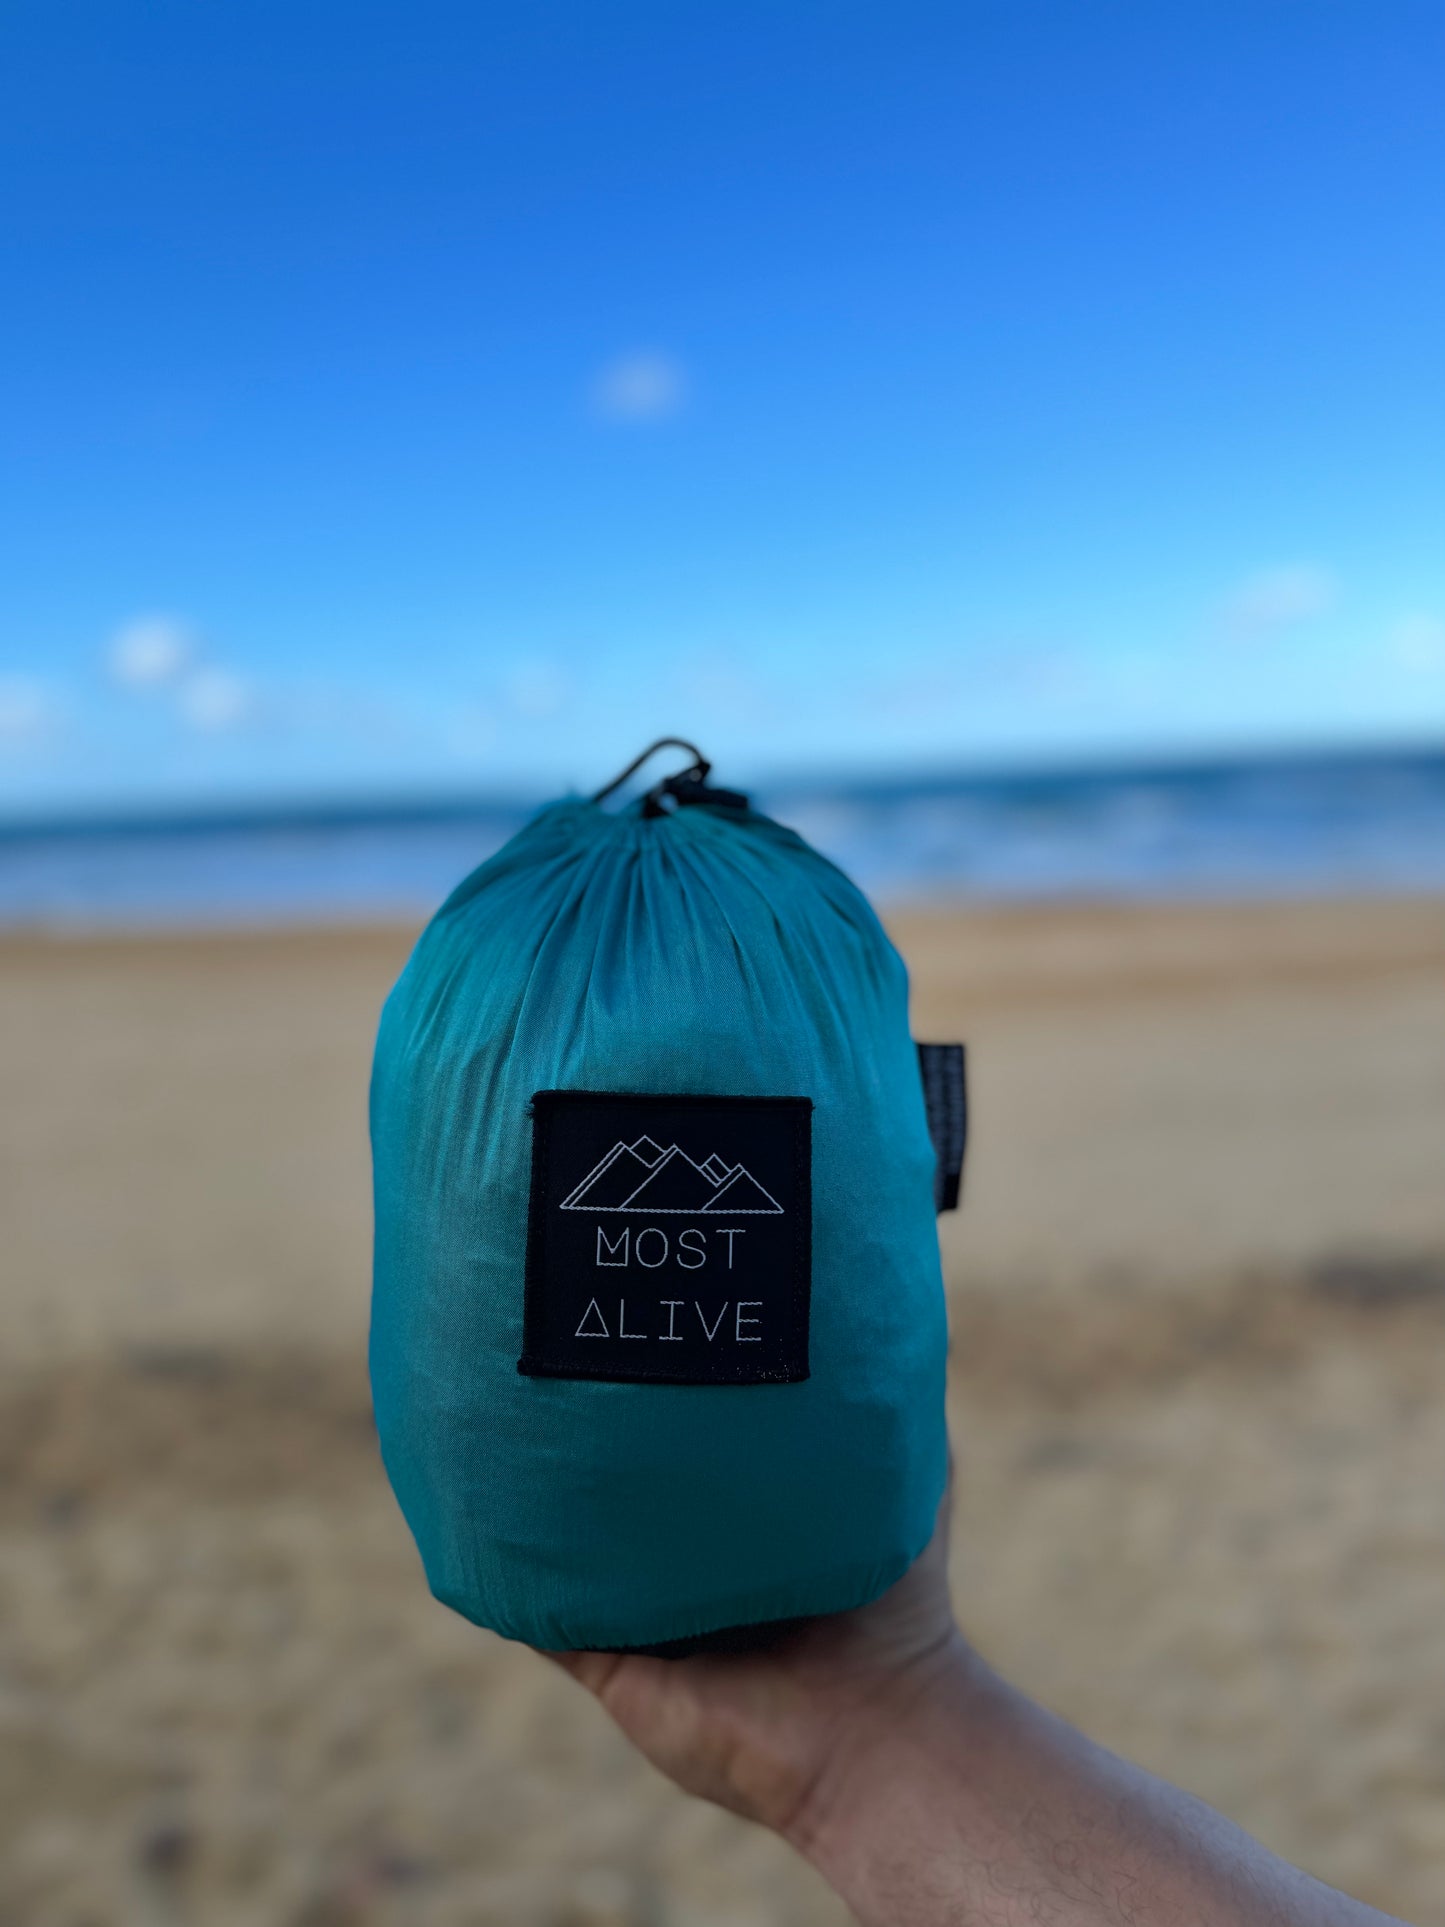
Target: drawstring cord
{"points": [[699, 767], [684, 787]]}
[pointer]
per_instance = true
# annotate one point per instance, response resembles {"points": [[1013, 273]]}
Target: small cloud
{"points": [[162, 656], [214, 699], [642, 387], [151, 652], [537, 690], [1280, 598], [1418, 644], [28, 712]]}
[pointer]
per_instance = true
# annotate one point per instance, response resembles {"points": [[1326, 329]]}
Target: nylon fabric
{"points": [[706, 951]]}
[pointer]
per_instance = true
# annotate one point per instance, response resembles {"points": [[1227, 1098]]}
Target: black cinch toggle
{"points": [[679, 791]]}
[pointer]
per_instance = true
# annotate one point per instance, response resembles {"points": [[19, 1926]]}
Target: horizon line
{"points": [[360, 809]]}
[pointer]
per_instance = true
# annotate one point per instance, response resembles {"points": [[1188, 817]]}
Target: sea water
{"points": [[1247, 827]]}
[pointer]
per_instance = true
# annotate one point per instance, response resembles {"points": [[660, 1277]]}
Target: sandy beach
{"points": [[1197, 1296]]}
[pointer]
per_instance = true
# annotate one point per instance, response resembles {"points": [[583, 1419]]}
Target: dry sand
{"points": [[1198, 1304]]}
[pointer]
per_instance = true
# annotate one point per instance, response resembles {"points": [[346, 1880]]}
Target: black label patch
{"points": [[670, 1238]]}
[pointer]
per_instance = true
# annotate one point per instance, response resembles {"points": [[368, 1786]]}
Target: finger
{"points": [[592, 1670]]}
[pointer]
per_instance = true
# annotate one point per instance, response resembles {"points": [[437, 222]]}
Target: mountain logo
{"points": [[644, 1177]]}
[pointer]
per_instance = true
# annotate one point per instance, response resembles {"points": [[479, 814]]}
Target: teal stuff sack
{"points": [[658, 1336]]}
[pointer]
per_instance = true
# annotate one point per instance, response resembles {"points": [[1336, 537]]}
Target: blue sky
{"points": [[416, 398]]}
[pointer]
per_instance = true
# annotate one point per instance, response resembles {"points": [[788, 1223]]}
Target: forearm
{"points": [[972, 1805]]}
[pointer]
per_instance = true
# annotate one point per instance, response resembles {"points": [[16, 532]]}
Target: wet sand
{"points": [[1198, 1304]]}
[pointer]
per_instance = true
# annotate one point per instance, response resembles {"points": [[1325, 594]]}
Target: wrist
{"points": [[896, 1755]]}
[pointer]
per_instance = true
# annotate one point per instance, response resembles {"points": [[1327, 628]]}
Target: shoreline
{"points": [[1265, 904]]}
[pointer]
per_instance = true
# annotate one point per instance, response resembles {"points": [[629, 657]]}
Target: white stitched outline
{"points": [[721, 1315], [692, 1257], [582, 1331], [719, 1176]]}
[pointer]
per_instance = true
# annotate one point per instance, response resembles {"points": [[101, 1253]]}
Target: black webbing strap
{"points": [[944, 1070]]}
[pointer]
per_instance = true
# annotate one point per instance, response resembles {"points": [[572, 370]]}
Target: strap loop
{"points": [[697, 770]]}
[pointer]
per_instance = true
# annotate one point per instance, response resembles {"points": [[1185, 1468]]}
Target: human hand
{"points": [[928, 1791], [761, 1731]]}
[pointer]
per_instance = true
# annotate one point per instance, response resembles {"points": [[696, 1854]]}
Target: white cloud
{"points": [[28, 712], [646, 386], [1281, 597], [215, 699], [1418, 644], [151, 652], [162, 656]]}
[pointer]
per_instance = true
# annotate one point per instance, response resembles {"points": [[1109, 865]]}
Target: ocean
{"points": [[1260, 826]]}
